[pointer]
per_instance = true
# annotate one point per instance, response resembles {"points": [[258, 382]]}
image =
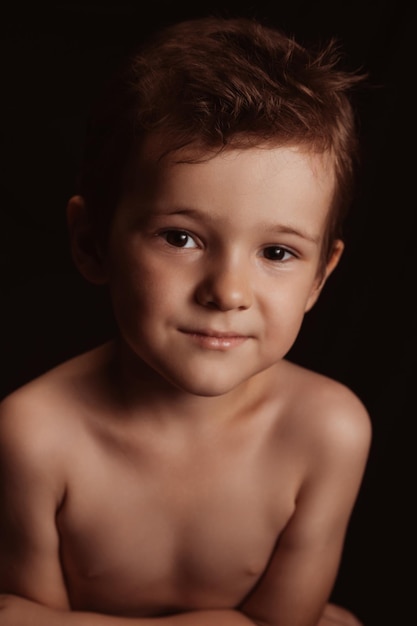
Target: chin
{"points": [[208, 386], [204, 389]]}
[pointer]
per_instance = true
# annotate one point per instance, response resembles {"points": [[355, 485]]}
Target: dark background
{"points": [[54, 58]]}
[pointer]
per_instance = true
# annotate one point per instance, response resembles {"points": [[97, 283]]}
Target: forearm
{"points": [[194, 618], [15, 611]]}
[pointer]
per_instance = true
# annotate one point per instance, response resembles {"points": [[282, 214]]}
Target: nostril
{"points": [[226, 287]]}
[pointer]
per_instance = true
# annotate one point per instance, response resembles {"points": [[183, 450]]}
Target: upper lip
{"points": [[210, 332]]}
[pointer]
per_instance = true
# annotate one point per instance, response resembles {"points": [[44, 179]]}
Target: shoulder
{"points": [[330, 433], [40, 422], [327, 416], [29, 435], [29, 457]]}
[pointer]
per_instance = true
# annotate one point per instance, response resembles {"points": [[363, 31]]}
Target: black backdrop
{"points": [[53, 60]]}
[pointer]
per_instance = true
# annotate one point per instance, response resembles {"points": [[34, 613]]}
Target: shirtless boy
{"points": [[186, 473]]}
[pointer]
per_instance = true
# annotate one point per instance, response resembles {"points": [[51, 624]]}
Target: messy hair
{"points": [[220, 83]]}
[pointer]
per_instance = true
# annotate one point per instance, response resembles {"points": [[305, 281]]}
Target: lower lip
{"points": [[217, 343]]}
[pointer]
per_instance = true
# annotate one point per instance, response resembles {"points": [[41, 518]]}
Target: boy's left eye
{"points": [[179, 239], [277, 253]]}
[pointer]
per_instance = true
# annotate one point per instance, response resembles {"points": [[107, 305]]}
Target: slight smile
{"points": [[215, 340]]}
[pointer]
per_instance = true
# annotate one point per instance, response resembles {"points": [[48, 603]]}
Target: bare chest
{"points": [[154, 536]]}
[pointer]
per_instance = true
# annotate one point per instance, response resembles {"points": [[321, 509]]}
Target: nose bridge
{"points": [[226, 283]]}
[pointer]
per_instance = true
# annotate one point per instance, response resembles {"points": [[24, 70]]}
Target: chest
{"points": [[148, 536]]}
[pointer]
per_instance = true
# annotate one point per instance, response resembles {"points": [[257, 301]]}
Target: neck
{"points": [[142, 389]]}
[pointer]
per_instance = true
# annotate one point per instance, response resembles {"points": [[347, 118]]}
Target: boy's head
{"points": [[217, 84]]}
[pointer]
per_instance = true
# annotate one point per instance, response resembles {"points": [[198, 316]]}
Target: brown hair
{"points": [[221, 83]]}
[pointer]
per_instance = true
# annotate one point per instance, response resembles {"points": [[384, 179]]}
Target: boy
{"points": [[186, 473]]}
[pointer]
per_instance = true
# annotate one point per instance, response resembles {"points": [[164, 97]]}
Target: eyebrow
{"points": [[292, 230], [274, 228]]}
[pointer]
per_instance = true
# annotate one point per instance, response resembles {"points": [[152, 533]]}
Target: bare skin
{"points": [[158, 519], [181, 477]]}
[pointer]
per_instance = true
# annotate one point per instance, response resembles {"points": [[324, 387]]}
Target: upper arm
{"points": [[30, 492], [300, 576]]}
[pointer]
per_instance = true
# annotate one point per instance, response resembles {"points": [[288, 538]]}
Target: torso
{"points": [[152, 524], [165, 534]]}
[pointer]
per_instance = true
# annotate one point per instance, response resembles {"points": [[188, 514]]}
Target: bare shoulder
{"points": [[37, 420], [328, 416], [41, 435]]}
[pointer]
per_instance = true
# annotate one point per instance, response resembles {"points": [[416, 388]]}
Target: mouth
{"points": [[216, 339]]}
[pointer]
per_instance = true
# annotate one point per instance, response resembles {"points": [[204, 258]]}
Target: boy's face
{"points": [[212, 265]]}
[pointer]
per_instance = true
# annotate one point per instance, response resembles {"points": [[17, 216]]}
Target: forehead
{"points": [[266, 182]]}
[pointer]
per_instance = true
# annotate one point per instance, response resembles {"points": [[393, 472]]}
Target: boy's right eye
{"points": [[179, 239]]}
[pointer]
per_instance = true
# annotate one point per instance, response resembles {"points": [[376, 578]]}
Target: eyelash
{"points": [[173, 231], [282, 250]]}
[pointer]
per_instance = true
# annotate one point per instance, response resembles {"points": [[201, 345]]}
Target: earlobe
{"points": [[83, 241], [332, 263]]}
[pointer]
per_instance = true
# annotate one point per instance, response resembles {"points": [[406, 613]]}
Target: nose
{"points": [[225, 286]]}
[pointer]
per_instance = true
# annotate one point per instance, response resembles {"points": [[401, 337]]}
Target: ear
{"points": [[85, 250], [337, 252]]}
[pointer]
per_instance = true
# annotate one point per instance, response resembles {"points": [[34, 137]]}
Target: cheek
{"points": [[142, 287], [289, 294], [285, 307]]}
